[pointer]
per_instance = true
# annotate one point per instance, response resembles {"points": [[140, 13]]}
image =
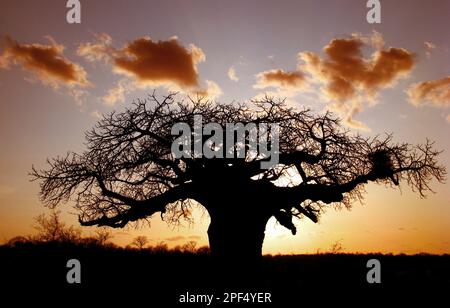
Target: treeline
{"points": [[52, 231]]}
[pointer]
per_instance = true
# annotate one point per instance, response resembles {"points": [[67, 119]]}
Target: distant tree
{"points": [[336, 247], [160, 247], [102, 235], [140, 241], [189, 247], [128, 172], [50, 228]]}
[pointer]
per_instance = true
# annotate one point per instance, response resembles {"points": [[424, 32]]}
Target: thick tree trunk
{"points": [[236, 241], [235, 234], [239, 209]]}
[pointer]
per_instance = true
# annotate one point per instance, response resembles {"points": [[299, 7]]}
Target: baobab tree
{"points": [[129, 172]]}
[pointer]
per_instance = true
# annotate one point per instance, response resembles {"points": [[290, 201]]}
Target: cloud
{"points": [[232, 74], [46, 62], [175, 238], [280, 79], [79, 95], [429, 46], [160, 62], [210, 92], [150, 63], [147, 61], [345, 72], [433, 92], [101, 50], [344, 77], [194, 237], [377, 40], [96, 114], [243, 61], [117, 93], [349, 110]]}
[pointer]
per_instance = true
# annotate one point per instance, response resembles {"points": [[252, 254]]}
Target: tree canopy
{"points": [[129, 173]]}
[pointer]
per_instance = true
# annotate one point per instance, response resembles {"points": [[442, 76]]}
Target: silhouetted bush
{"points": [[50, 228]]}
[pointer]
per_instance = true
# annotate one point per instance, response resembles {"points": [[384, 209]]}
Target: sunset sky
{"points": [[56, 79]]}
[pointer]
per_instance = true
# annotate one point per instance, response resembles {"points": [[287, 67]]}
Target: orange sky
{"points": [[56, 79]]}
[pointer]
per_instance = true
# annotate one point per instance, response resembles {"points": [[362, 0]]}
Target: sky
{"points": [[57, 79]]}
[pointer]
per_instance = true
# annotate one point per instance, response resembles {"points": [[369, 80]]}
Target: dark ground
{"points": [[158, 278]]}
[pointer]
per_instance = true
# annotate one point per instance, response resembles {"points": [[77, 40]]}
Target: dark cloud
{"points": [[45, 61]]}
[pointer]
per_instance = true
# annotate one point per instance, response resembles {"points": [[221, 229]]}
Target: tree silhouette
{"points": [[140, 241], [128, 172], [51, 228], [102, 236]]}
